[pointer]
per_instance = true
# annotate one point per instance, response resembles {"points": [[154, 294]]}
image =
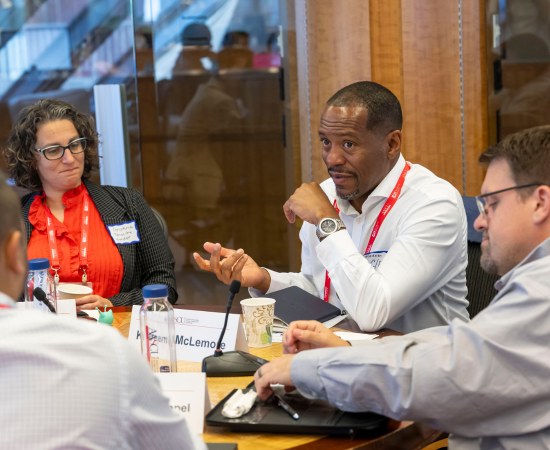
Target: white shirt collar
{"points": [[384, 189], [6, 300]]}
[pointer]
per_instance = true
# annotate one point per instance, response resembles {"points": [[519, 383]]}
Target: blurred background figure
{"points": [[272, 56], [195, 39], [236, 52], [194, 173]]}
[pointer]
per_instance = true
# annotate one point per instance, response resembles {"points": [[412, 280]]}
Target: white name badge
{"points": [[124, 233], [375, 258], [197, 333], [187, 395]]}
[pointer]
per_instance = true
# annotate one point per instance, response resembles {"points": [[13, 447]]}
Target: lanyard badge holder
{"points": [[52, 241]]}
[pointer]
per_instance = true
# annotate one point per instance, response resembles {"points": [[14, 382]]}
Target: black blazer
{"points": [[147, 262]]}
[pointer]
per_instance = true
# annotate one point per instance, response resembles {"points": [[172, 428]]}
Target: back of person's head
{"points": [[235, 38], [196, 34], [13, 258], [10, 218], [20, 155], [528, 155], [384, 109]]}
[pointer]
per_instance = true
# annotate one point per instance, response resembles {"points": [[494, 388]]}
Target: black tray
{"points": [[316, 417]]}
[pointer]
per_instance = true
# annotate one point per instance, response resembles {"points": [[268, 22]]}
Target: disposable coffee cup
{"points": [[69, 291], [258, 321]]}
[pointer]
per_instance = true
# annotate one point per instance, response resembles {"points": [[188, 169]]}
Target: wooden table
{"points": [[399, 435]]}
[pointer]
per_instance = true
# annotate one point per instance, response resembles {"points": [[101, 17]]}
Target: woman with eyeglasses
{"points": [[105, 235]]}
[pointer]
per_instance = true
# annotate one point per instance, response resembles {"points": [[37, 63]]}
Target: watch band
{"points": [[321, 235]]}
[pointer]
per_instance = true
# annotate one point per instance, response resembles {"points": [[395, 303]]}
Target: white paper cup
{"points": [[69, 291], [258, 321]]}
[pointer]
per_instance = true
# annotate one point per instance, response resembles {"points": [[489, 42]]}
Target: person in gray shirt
{"points": [[487, 382]]}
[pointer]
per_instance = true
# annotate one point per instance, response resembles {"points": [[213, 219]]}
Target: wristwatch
{"points": [[328, 226]]}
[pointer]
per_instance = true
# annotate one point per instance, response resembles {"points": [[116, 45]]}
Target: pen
{"points": [[278, 399]]}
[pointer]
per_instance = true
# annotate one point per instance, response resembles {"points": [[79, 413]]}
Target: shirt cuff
{"points": [[335, 248], [278, 281], [304, 374]]}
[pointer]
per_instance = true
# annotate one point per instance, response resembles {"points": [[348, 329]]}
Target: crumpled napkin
{"points": [[239, 404]]}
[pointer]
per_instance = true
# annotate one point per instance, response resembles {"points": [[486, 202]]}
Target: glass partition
{"points": [[215, 165], [61, 49], [518, 56]]}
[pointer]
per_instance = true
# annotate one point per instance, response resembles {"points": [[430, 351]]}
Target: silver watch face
{"points": [[328, 226]]}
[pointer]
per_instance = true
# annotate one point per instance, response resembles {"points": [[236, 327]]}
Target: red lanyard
{"points": [[4, 306], [381, 217], [52, 240]]}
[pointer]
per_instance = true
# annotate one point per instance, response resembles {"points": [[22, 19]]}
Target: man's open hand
{"points": [[235, 265], [310, 203], [309, 334]]}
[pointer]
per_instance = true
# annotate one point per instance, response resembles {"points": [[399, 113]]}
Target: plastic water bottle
{"points": [[39, 277], [157, 330]]}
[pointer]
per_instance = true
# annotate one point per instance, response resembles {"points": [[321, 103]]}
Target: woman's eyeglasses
{"points": [[58, 151]]}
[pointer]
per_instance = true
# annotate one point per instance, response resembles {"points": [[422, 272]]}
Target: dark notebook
{"points": [[216, 446], [294, 304], [316, 417]]}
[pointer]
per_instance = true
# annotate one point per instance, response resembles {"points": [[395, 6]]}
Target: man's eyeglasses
{"points": [[58, 151], [480, 199]]}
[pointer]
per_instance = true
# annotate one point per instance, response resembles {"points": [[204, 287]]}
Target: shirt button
{"points": [[359, 220], [313, 394], [322, 254]]}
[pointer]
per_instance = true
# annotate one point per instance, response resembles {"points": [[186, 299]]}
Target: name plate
{"points": [[188, 395], [197, 333]]}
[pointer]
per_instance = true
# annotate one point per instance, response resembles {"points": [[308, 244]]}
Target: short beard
{"points": [[351, 196], [487, 262]]}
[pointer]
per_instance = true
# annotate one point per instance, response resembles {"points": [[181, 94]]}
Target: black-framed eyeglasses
{"points": [[480, 199], [58, 151]]}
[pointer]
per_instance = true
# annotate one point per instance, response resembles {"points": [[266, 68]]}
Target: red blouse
{"points": [[105, 267]]}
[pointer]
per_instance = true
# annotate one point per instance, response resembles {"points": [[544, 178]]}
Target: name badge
{"points": [[124, 233], [375, 258]]}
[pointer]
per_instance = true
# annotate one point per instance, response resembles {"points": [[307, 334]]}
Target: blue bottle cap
{"points": [[39, 264], [155, 291]]}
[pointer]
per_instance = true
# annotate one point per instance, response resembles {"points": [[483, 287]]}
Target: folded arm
{"points": [[424, 257]]}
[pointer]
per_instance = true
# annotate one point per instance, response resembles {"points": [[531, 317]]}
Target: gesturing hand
{"points": [[235, 266], [310, 203], [309, 334]]}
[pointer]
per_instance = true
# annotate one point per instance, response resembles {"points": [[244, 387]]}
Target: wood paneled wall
{"points": [[413, 48], [333, 46]]}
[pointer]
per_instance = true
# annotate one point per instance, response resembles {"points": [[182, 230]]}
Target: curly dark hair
{"points": [[20, 155]]}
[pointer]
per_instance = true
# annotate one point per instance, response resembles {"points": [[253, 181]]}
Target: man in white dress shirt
{"points": [[410, 273], [72, 384], [487, 381]]}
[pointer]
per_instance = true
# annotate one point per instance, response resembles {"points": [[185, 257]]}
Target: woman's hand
{"points": [[91, 301]]}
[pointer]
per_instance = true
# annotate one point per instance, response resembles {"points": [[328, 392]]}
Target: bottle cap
{"points": [[155, 291], [39, 264]]}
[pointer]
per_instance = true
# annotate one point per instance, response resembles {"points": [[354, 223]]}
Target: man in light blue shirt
{"points": [[486, 382]]}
